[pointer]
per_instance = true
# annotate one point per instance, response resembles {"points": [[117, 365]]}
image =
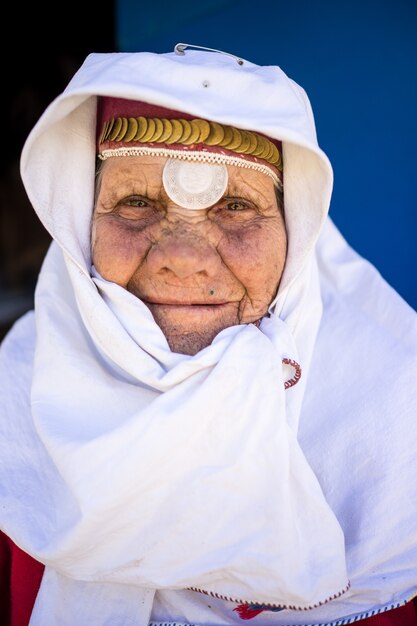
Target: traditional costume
{"points": [[271, 476]]}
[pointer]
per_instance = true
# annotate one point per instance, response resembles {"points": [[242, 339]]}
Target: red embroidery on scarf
{"points": [[294, 380], [291, 381], [249, 611], [245, 611]]}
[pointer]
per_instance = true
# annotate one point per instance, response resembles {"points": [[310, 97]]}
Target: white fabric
{"points": [[127, 468]]}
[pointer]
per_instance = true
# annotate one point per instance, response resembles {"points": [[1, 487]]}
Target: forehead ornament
{"points": [[194, 185]]}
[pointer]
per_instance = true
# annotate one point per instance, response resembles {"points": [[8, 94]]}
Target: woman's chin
{"points": [[190, 328], [190, 344]]}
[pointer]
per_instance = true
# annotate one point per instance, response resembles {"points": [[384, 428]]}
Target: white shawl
{"points": [[128, 469]]}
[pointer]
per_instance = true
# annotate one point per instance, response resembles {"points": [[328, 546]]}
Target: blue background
{"points": [[358, 63]]}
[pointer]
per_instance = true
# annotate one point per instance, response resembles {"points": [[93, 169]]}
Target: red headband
{"points": [[135, 127]]}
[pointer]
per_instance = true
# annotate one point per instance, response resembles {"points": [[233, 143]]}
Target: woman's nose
{"points": [[184, 254]]}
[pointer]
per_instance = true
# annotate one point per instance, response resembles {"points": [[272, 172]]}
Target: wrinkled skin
{"points": [[198, 271]]}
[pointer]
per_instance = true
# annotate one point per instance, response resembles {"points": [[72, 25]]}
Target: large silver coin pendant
{"points": [[194, 185]]}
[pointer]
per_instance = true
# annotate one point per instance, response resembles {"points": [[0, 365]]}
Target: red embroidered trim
{"points": [[246, 611], [271, 607], [294, 380]]}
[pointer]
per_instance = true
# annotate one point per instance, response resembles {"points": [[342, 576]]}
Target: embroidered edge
{"points": [[294, 380], [360, 616], [339, 622], [290, 607], [205, 157]]}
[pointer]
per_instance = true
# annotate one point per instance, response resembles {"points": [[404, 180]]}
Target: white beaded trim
{"points": [[206, 157]]}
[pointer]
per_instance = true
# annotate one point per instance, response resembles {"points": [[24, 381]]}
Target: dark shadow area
{"points": [[47, 53]]}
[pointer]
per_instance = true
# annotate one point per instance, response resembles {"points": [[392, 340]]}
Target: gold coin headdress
{"points": [[134, 128]]}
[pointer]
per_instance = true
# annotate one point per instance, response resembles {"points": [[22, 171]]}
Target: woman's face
{"points": [[198, 271]]}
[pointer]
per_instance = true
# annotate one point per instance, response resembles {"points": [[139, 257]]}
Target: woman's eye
{"points": [[233, 211], [134, 208], [134, 201], [236, 205]]}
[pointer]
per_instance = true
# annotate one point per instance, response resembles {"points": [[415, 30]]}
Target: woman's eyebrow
{"points": [[132, 186], [243, 191]]}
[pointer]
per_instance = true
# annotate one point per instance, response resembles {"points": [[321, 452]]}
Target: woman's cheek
{"points": [[117, 250], [256, 257]]}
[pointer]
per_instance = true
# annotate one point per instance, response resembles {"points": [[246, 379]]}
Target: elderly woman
{"points": [[210, 415]]}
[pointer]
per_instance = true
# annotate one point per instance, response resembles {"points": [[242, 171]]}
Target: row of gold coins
{"points": [[188, 132]]}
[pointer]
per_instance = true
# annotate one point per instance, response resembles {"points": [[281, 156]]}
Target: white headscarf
{"points": [[130, 470]]}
